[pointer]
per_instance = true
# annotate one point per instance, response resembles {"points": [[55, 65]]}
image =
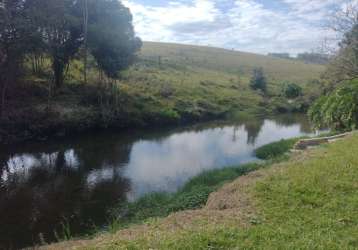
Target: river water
{"points": [[72, 182]]}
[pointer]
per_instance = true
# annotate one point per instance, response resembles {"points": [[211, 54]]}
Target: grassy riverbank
{"points": [[306, 202], [196, 192], [193, 195], [169, 84]]}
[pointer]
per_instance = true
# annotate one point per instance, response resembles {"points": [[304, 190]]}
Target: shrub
{"points": [[169, 115], [292, 90], [338, 110], [258, 80]]}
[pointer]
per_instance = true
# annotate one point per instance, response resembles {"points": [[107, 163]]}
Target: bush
{"points": [[338, 110], [168, 115], [258, 80], [292, 90]]}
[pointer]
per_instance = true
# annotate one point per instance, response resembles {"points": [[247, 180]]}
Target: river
{"points": [[72, 182]]}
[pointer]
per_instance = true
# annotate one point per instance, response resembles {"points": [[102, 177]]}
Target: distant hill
{"points": [[196, 79], [231, 62]]}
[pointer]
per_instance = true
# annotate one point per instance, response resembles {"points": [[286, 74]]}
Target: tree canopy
{"points": [[111, 37], [56, 28]]}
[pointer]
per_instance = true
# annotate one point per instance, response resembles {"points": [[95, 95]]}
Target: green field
{"points": [[195, 79], [169, 84]]}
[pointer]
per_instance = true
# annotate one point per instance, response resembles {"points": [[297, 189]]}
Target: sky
{"points": [[259, 26]]}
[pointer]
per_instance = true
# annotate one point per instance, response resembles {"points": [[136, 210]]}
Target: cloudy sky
{"points": [[259, 26]]}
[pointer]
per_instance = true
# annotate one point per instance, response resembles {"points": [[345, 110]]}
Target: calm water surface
{"points": [[72, 182]]}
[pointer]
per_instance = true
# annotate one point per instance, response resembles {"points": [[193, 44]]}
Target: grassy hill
{"points": [[309, 201], [211, 75], [169, 84], [234, 63], [204, 78]]}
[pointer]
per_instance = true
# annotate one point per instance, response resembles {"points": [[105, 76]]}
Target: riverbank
{"points": [[308, 201], [169, 84]]}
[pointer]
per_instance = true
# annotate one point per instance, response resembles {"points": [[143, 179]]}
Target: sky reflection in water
{"points": [[81, 178]]}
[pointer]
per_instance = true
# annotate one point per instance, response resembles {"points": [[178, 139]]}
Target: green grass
{"points": [[197, 79], [311, 203], [192, 196], [275, 149]]}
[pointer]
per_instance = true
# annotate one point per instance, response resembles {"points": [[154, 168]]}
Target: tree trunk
{"points": [[85, 24], [58, 69], [3, 98]]}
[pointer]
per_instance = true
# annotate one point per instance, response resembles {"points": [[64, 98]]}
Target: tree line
{"points": [[61, 30]]}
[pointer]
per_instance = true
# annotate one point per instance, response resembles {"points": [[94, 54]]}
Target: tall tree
{"points": [[111, 36], [13, 44], [59, 26]]}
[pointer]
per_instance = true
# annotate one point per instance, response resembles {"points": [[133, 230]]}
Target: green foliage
{"points": [[58, 31], [292, 90], [275, 149], [338, 110], [258, 80], [169, 115], [14, 35], [111, 36], [280, 104]]}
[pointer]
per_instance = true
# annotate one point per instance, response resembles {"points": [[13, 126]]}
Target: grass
{"points": [[193, 195], [275, 149], [307, 202]]}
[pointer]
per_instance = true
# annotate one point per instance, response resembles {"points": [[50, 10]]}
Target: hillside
{"points": [[239, 64], [169, 84], [197, 78], [307, 202]]}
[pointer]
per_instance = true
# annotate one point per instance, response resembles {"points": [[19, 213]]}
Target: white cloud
{"points": [[243, 24]]}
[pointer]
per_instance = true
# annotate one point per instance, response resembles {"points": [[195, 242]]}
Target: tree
{"points": [[292, 90], [14, 33], [103, 27], [338, 108], [85, 29], [258, 80], [344, 65], [60, 28], [344, 62], [111, 36]]}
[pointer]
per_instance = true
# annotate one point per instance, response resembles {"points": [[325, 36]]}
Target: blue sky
{"points": [[259, 26]]}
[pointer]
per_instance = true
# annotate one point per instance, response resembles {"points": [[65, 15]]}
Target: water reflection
{"points": [[77, 180]]}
